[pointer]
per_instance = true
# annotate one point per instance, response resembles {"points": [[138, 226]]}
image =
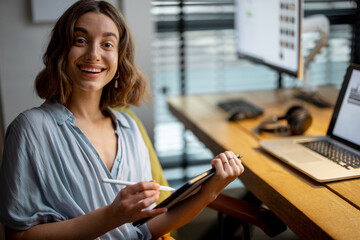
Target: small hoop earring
{"points": [[117, 76]]}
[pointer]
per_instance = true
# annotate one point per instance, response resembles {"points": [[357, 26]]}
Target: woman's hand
{"points": [[228, 168], [129, 204]]}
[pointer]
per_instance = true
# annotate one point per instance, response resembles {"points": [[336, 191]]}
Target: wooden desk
{"points": [[311, 209]]}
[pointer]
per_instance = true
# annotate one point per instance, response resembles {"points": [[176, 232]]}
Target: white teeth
{"points": [[94, 70]]}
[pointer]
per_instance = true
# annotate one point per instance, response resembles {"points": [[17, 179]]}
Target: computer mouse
{"points": [[237, 116]]}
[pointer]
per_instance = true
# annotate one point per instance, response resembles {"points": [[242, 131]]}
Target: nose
{"points": [[93, 53]]}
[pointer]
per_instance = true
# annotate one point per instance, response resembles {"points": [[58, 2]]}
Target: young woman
{"points": [[57, 154]]}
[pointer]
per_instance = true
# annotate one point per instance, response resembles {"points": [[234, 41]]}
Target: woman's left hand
{"points": [[228, 168]]}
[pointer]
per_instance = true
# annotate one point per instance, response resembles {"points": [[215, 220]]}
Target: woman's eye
{"points": [[80, 41], [108, 45]]}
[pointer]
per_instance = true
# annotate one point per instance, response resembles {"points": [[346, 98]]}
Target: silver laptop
{"points": [[335, 156]]}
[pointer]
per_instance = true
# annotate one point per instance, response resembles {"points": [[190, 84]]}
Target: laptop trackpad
{"points": [[302, 156]]}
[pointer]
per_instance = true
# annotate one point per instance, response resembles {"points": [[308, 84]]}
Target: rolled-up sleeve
{"points": [[143, 232]]}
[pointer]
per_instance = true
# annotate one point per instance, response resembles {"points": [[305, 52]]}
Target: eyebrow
{"points": [[106, 34]]}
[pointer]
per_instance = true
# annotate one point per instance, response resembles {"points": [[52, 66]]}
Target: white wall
{"points": [[21, 47], [138, 16], [22, 44]]}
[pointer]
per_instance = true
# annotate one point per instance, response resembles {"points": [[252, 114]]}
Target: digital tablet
{"points": [[186, 190]]}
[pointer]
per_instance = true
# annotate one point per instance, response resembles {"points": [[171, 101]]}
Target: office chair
{"points": [[2, 232], [247, 212]]}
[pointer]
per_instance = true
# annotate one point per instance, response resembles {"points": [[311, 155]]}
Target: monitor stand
{"points": [[311, 96], [307, 94]]}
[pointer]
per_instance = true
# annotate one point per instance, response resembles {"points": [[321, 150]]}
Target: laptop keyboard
{"points": [[335, 153]]}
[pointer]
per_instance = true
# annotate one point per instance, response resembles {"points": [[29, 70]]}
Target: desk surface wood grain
{"points": [[311, 209]]}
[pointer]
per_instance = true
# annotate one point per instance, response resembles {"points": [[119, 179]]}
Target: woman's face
{"points": [[93, 58]]}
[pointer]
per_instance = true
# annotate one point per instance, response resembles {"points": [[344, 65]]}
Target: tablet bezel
{"points": [[186, 190]]}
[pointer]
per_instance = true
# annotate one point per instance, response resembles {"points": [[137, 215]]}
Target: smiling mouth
{"points": [[91, 70]]}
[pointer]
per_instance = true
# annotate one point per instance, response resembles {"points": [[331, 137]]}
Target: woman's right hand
{"points": [[127, 207], [131, 201]]}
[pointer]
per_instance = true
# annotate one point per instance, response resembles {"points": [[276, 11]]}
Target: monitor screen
{"points": [[269, 32]]}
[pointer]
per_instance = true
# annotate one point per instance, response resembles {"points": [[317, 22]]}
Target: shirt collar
{"points": [[59, 112], [62, 114], [120, 118]]}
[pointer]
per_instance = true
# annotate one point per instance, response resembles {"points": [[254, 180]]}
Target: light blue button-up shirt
{"points": [[51, 172]]}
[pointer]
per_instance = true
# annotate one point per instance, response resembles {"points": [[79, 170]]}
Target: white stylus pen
{"points": [[106, 180]]}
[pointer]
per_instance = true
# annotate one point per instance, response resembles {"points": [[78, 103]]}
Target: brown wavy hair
{"points": [[53, 83]]}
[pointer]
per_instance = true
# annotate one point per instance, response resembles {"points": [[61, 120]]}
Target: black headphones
{"points": [[298, 118]]}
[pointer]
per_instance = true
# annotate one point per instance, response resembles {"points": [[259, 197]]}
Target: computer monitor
{"points": [[269, 32]]}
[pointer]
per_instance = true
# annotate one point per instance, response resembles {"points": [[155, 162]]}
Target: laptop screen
{"points": [[346, 118]]}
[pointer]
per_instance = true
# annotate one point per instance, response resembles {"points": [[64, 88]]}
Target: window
{"points": [[212, 65]]}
